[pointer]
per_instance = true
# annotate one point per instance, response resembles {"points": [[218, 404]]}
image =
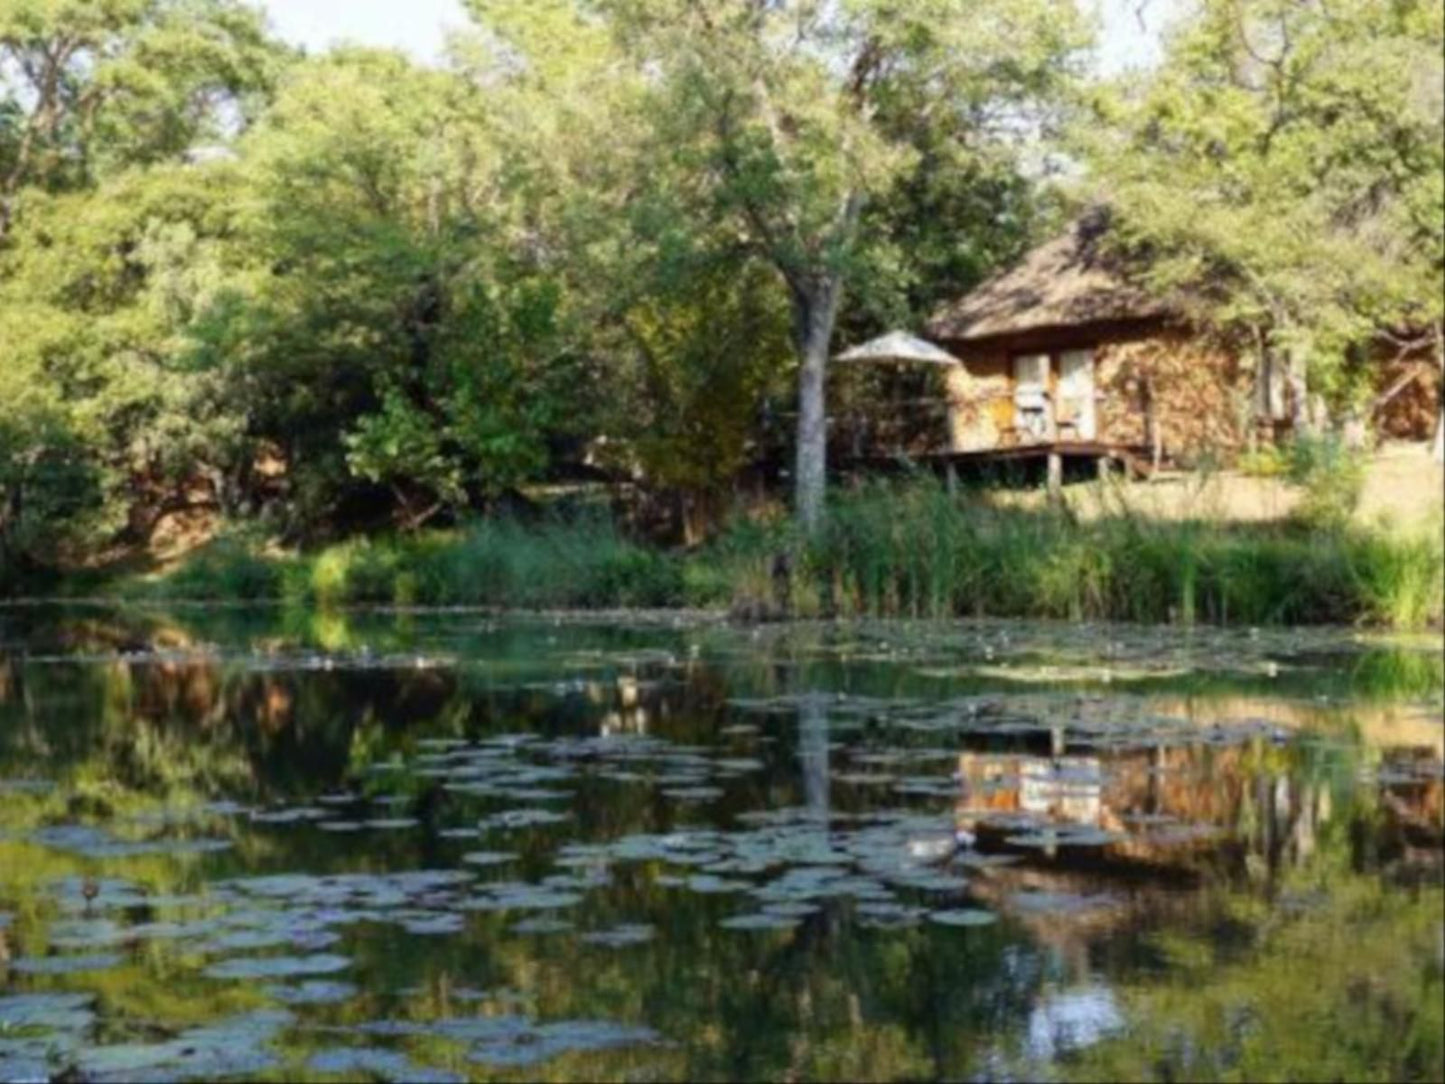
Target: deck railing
{"points": [[923, 426]]}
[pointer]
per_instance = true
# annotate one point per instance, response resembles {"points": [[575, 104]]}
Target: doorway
{"points": [[1076, 393]]}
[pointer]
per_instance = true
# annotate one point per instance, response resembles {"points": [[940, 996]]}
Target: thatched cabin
{"points": [[1062, 348]]}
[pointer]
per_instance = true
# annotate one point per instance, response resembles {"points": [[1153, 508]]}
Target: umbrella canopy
{"points": [[898, 346]]}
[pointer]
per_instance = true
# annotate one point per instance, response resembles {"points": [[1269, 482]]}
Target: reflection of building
{"points": [[1159, 803], [1160, 816]]}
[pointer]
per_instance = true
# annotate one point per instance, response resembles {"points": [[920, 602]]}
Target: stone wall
{"points": [[1411, 413], [1199, 396], [1200, 400], [980, 413]]}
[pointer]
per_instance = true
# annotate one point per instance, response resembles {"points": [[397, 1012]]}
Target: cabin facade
{"points": [[1061, 350]]}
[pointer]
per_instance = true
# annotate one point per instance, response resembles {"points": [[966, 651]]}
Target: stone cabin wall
{"points": [[1200, 397], [1412, 412]]}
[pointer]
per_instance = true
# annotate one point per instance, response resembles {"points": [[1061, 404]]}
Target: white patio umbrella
{"points": [[898, 346]]}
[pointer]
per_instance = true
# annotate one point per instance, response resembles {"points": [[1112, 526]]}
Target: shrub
{"points": [[1332, 476], [1268, 461], [229, 568]]}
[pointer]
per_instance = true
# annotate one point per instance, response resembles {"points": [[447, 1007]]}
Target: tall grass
{"points": [[914, 550], [576, 563], [900, 550]]}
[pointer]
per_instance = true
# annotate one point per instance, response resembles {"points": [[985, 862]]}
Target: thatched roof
{"points": [[898, 346], [1066, 282]]}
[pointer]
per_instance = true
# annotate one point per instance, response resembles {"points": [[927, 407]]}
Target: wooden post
{"points": [[1056, 477], [950, 478], [1105, 468]]}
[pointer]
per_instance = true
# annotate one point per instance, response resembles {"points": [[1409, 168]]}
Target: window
{"points": [[1031, 372]]}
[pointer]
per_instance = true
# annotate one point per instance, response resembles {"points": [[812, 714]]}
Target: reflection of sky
{"points": [[1071, 1019]]}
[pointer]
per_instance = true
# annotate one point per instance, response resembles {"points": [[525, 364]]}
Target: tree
{"points": [[691, 359], [395, 348], [1284, 170], [782, 121], [90, 87], [99, 293]]}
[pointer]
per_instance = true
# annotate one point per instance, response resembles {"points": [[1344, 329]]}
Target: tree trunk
{"points": [[815, 310]]}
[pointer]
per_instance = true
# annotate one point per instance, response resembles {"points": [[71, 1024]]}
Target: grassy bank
{"points": [[909, 551]]}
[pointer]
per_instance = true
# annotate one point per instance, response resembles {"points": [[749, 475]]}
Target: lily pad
{"points": [[64, 965], [542, 925], [620, 936], [964, 916], [362, 1063], [269, 967]]}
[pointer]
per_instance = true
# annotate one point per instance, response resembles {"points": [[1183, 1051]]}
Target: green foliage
{"points": [[92, 87], [351, 292], [700, 351], [888, 550], [98, 293], [49, 490], [1266, 462], [768, 129], [581, 562], [1348, 989], [1283, 171], [915, 551], [226, 570], [1332, 475], [391, 345]]}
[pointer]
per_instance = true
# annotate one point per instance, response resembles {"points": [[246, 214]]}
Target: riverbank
{"points": [[887, 551]]}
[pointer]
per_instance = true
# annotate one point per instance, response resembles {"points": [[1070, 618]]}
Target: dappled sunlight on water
{"points": [[431, 847]]}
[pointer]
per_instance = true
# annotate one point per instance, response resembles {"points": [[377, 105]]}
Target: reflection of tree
{"points": [[1344, 985], [826, 1000], [813, 754]]}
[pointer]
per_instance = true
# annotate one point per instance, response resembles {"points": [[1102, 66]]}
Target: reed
{"points": [[888, 549]]}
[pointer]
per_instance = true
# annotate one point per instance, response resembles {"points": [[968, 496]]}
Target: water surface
{"points": [[248, 844]]}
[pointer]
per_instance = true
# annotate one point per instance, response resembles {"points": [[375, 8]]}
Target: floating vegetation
{"points": [[64, 965], [368, 1063], [513, 819], [234, 1047], [535, 1044], [620, 936], [660, 835], [391, 824], [91, 842], [542, 925], [49, 1012], [963, 916], [277, 967], [1064, 836], [311, 992], [516, 896]]}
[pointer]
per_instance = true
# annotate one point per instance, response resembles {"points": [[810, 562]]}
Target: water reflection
{"points": [[457, 847]]}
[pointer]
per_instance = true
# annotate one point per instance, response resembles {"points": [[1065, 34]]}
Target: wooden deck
{"points": [[1134, 460]]}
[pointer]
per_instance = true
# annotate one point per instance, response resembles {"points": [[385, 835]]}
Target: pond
{"points": [[254, 844]]}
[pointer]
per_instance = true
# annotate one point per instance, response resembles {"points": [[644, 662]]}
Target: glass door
{"points": [[1031, 398], [1076, 395]]}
